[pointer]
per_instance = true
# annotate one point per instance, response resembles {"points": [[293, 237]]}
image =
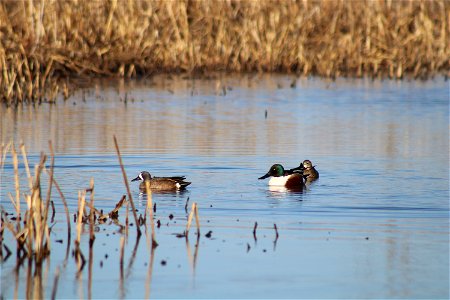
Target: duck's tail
{"points": [[183, 184]]}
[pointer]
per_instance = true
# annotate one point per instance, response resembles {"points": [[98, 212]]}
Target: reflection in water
{"points": [[90, 274], [122, 279], [34, 281], [277, 189], [133, 256], [192, 259], [212, 125], [151, 248]]}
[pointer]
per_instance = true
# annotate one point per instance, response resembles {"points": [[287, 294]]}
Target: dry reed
{"points": [[91, 215], [125, 179], [193, 212], [34, 238], [44, 41], [150, 212]]}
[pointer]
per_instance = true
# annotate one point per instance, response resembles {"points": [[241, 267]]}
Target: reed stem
{"points": [[125, 179], [150, 212]]}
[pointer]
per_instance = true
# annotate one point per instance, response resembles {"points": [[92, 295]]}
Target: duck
{"points": [[281, 177], [161, 183], [307, 170]]}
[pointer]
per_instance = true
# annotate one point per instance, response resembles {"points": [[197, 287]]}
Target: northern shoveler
{"points": [[280, 177], [161, 183]]}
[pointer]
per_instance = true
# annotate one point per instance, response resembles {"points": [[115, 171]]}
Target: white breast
{"points": [[279, 181]]}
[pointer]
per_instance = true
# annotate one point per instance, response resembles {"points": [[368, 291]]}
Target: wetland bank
{"points": [[375, 225]]}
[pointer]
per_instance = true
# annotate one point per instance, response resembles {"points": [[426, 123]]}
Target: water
{"points": [[375, 225]]}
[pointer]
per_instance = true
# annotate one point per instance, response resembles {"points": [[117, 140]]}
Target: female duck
{"points": [[307, 169]]}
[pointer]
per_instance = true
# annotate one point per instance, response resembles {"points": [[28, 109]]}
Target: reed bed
{"points": [[45, 43], [31, 229]]}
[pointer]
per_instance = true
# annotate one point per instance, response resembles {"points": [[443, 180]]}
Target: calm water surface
{"points": [[375, 225]]}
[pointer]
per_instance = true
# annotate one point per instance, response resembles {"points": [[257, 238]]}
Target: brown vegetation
{"points": [[42, 42]]}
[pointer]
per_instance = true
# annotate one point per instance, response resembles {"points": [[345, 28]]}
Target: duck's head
{"points": [[144, 175], [276, 170], [307, 164]]}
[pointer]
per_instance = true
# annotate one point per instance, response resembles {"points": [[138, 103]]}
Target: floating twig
{"points": [[276, 237], [186, 205], [254, 230]]}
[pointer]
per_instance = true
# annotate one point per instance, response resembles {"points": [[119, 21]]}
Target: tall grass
{"points": [[33, 239], [43, 41]]}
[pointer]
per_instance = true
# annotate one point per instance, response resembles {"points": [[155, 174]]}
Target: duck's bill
{"points": [[137, 178], [265, 176]]}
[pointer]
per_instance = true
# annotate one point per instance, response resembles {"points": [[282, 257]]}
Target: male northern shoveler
{"points": [[161, 183], [307, 170], [290, 180]]}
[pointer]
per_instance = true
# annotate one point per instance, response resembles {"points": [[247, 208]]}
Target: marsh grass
{"points": [[43, 43], [33, 238], [30, 225]]}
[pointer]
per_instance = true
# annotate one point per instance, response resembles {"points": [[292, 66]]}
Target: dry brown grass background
{"points": [[42, 42]]}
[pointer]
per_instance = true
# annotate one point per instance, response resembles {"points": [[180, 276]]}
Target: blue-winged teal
{"points": [[280, 177], [161, 183]]}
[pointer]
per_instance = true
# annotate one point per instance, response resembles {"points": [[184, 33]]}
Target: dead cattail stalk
{"points": [[17, 184], [194, 211], [81, 204], [49, 191], [27, 168], [197, 220], [66, 209], [150, 212], [91, 214], [127, 186]]}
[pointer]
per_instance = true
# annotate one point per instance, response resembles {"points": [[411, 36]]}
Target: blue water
{"points": [[375, 225]]}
